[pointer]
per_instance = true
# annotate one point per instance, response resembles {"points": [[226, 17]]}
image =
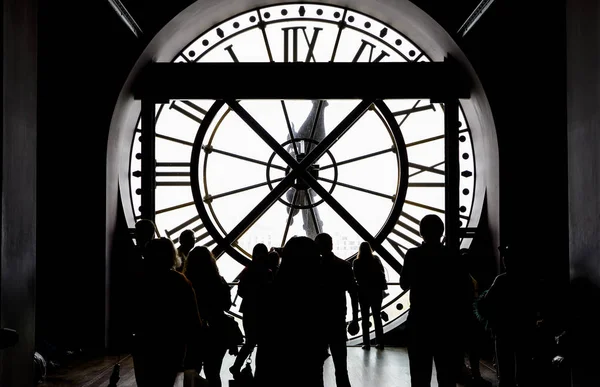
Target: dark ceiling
{"points": [[152, 16]]}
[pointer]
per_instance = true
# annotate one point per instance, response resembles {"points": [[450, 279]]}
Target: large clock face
{"points": [[216, 162]]}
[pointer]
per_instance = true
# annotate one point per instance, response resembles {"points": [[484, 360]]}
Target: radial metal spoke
{"points": [[413, 110], [173, 139], [262, 133], [358, 188], [249, 159], [424, 168], [174, 207], [336, 133], [425, 141], [289, 219], [381, 152], [244, 189], [435, 138], [254, 215], [290, 130]]}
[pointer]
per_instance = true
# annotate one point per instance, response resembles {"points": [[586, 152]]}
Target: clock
{"points": [[216, 161]]}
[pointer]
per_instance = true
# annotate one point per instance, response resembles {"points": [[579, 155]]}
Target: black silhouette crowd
{"points": [[297, 294]]}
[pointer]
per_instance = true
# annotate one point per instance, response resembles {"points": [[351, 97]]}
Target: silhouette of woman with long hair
{"points": [[370, 276], [253, 287], [295, 317], [213, 298], [166, 318]]}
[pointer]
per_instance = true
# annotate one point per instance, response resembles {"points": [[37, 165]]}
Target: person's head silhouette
{"points": [[299, 260], [187, 240], [260, 253], [364, 251], [144, 232], [431, 229], [325, 243], [201, 265]]}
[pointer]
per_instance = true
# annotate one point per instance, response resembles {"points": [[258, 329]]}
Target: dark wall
{"points": [[18, 211], [583, 110], [518, 51], [85, 54]]}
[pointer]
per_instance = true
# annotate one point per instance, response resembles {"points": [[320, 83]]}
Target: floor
{"points": [[366, 368]]}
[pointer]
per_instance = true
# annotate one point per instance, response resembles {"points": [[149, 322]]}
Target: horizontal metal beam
{"points": [[433, 80]]}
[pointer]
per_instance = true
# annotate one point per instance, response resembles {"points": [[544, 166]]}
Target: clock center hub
{"points": [[313, 170]]}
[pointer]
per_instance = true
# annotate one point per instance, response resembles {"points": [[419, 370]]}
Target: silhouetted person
{"points": [[292, 350], [512, 315], [473, 330], [338, 279], [166, 318], [213, 298], [187, 240], [370, 277], [439, 297], [254, 286], [144, 232]]}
